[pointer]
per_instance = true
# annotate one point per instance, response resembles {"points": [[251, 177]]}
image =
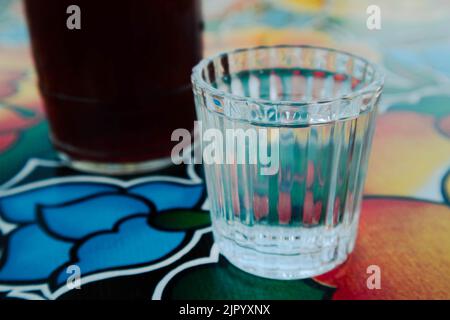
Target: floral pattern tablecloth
{"points": [[149, 237]]}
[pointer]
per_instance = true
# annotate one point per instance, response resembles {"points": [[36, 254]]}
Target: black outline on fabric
{"points": [[74, 259], [38, 204], [199, 170], [51, 280], [3, 246], [200, 184], [40, 219], [444, 191], [389, 197], [5, 254]]}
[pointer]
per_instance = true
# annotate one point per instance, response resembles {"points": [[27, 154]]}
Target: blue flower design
{"points": [[97, 226]]}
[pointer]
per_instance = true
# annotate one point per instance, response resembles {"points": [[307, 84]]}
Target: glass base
{"points": [[284, 253], [126, 168]]}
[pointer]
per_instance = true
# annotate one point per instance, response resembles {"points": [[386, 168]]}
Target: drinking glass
{"points": [[317, 109], [116, 85]]}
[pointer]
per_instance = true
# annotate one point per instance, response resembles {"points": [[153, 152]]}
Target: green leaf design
{"points": [[180, 219], [224, 281]]}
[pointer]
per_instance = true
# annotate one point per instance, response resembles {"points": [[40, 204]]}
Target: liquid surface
{"points": [[288, 84]]}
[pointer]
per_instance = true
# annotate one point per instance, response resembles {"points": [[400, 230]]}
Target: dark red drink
{"points": [[116, 88]]}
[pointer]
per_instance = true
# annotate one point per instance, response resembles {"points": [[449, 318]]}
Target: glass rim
{"points": [[375, 85]]}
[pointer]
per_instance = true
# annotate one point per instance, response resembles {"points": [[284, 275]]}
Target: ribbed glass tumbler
{"points": [[286, 134]]}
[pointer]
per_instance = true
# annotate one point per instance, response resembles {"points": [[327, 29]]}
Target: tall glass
{"points": [[114, 76], [317, 109]]}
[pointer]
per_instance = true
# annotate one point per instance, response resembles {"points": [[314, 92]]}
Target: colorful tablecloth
{"points": [[149, 236]]}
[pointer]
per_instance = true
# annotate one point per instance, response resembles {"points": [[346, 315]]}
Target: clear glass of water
{"points": [[311, 111]]}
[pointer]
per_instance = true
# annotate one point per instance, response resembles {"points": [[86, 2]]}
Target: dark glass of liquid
{"points": [[115, 77]]}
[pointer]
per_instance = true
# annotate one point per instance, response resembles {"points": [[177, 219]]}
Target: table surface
{"points": [[53, 218]]}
